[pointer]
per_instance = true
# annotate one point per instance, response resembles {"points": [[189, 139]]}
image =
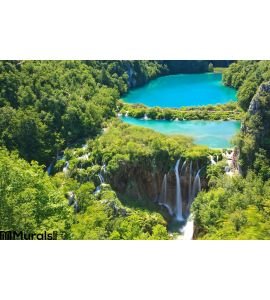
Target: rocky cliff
{"points": [[254, 138], [147, 185]]}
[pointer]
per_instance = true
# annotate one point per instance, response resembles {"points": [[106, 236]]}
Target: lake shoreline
{"points": [[213, 134]]}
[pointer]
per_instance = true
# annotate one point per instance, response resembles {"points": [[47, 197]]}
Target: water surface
{"points": [[214, 134], [183, 90]]}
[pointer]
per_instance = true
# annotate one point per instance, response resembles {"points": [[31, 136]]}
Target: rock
{"points": [[255, 105]]}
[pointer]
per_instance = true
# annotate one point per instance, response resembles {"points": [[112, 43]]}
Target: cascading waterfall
{"points": [[163, 196], [196, 186], [49, 170], [190, 182], [178, 204], [188, 230], [183, 166], [212, 160], [145, 117], [103, 168], [65, 169], [165, 188], [188, 185], [101, 178]]}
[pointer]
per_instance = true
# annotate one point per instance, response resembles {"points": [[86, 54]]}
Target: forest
{"points": [[54, 112]]}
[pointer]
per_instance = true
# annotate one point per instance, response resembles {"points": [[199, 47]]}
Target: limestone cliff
{"points": [[255, 130]]}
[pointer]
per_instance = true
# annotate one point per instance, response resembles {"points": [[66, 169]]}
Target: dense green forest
{"points": [[54, 112], [238, 208]]}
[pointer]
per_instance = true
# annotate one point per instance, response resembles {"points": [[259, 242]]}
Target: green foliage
{"points": [[246, 76], [229, 111], [107, 218], [236, 208], [245, 93], [124, 146], [47, 105], [29, 200], [210, 67]]}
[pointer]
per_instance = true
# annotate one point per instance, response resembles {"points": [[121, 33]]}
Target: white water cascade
{"points": [[189, 183], [163, 199], [188, 230], [196, 185], [145, 117], [212, 160], [178, 199], [101, 178], [49, 169], [183, 166], [65, 169]]}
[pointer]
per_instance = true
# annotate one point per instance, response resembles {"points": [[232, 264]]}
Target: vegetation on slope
{"points": [[47, 105], [234, 208], [238, 207]]}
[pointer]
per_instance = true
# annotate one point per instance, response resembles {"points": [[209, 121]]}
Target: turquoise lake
{"points": [[214, 134], [182, 90], [187, 90]]}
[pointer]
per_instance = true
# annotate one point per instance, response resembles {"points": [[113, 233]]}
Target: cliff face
{"points": [[255, 133], [260, 107], [258, 103], [147, 185], [138, 76]]}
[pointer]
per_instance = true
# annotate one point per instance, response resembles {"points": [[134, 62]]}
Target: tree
{"points": [[29, 200], [210, 67]]}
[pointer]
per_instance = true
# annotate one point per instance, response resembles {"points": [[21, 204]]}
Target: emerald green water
{"points": [[183, 90], [214, 134]]}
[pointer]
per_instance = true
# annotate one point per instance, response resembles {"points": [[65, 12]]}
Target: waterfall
{"points": [[196, 187], [178, 208], [76, 206], [97, 190], [163, 195], [101, 178], [71, 198], [49, 170], [182, 168], [217, 158], [189, 183], [65, 169], [145, 117], [103, 168], [188, 230], [212, 160]]}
